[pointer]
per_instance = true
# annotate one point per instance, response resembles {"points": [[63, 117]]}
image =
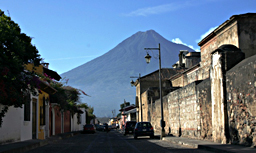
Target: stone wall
{"points": [[247, 34], [152, 109], [156, 117], [228, 35], [241, 102], [178, 81], [186, 77], [239, 30], [218, 101], [143, 87], [204, 100], [184, 114]]}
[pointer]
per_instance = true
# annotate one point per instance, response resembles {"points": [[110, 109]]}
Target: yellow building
{"points": [[40, 108]]}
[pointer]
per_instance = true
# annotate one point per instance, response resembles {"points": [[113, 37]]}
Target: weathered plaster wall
{"points": [[10, 130], [186, 77], [217, 94], [152, 109], [145, 107], [241, 102], [224, 58], [229, 35], [178, 82], [14, 128], [247, 35], [156, 117], [204, 100], [191, 76], [141, 88], [83, 118], [26, 126], [239, 31], [75, 125], [184, 114]]}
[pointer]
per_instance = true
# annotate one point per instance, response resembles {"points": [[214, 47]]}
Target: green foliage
{"points": [[83, 105], [124, 105], [60, 96], [89, 109], [67, 97], [16, 50]]}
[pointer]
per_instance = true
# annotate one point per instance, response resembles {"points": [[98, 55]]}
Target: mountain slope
{"points": [[107, 78]]}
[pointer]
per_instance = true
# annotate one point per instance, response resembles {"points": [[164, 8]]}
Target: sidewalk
{"points": [[22, 146], [206, 144], [209, 145]]}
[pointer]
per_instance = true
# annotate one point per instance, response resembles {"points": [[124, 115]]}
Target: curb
{"points": [[23, 146], [209, 146], [192, 145]]}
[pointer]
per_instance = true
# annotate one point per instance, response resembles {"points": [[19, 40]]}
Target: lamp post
{"points": [[148, 57], [132, 84]]}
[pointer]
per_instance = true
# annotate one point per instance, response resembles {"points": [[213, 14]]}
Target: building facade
{"points": [[213, 99]]}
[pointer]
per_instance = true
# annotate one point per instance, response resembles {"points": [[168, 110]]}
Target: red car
{"points": [[89, 128]]}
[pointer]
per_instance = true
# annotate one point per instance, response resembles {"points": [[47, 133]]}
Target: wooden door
{"points": [[34, 119]]}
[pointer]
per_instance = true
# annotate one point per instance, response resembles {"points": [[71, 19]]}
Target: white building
{"points": [[78, 120], [20, 124]]}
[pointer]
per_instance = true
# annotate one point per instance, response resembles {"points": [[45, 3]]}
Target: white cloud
{"points": [[159, 9], [167, 7], [178, 41], [205, 34]]}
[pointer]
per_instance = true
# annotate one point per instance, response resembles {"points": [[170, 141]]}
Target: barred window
{"points": [[27, 107]]}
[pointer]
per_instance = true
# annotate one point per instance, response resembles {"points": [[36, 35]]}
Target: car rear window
{"points": [[145, 124], [88, 126], [129, 124]]}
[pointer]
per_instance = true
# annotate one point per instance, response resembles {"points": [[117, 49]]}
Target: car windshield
{"points": [[144, 124]]}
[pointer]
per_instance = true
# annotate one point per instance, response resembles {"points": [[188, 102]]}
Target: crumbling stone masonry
{"points": [[204, 100], [241, 102], [184, 111]]}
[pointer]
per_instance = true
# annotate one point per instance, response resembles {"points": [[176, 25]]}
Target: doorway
{"points": [[34, 119]]}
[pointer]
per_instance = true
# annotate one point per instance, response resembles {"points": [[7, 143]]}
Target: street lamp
{"points": [[132, 84], [148, 57]]}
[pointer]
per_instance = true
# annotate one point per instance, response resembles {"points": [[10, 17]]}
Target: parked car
{"points": [[89, 128], [99, 127], [129, 127], [143, 129], [113, 126], [105, 127]]}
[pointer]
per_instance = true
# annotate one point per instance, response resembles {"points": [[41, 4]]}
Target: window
{"points": [[78, 118], [27, 107], [42, 113]]}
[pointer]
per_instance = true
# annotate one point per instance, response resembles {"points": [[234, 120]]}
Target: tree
{"points": [[89, 111], [67, 97], [16, 50]]}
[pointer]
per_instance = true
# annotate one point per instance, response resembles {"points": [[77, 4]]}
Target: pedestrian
{"points": [[107, 128], [117, 126]]}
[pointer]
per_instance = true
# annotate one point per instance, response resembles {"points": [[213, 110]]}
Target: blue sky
{"points": [[70, 33]]}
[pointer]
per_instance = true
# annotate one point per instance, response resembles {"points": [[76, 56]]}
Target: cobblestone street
{"points": [[112, 142]]}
